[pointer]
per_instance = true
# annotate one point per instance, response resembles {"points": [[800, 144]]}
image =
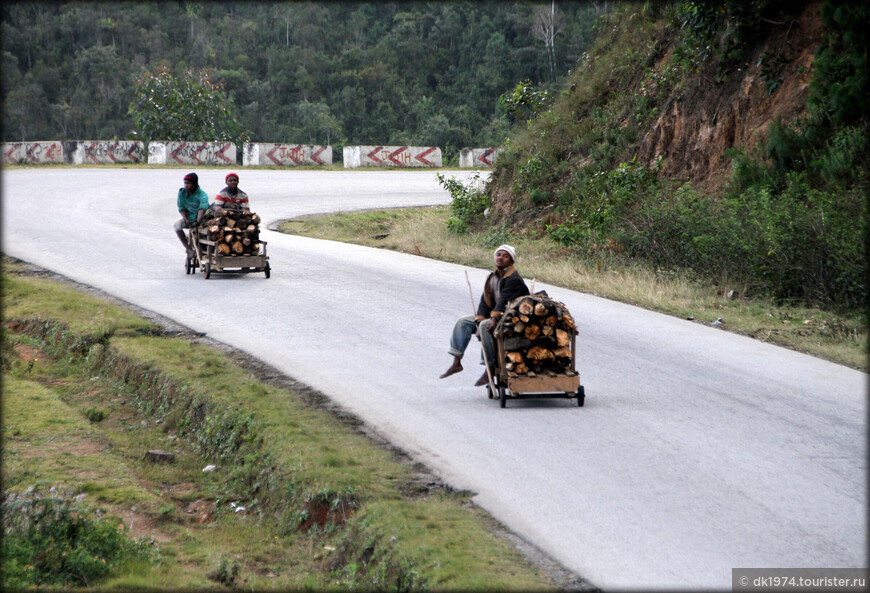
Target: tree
{"points": [[524, 102], [545, 27], [317, 122], [193, 107]]}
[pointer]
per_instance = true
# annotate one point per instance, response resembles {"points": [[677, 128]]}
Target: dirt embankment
{"points": [[696, 126]]}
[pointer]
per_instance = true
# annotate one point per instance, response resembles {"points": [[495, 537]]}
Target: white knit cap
{"points": [[507, 248]]}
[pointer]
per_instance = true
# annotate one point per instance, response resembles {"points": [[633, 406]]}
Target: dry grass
{"points": [[423, 231]]}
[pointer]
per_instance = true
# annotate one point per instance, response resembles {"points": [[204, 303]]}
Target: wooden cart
{"points": [[510, 385], [206, 258]]}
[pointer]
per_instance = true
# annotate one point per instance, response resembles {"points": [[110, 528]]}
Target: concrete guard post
{"points": [[191, 153], [109, 152], [285, 155], [470, 158], [391, 156], [35, 153]]}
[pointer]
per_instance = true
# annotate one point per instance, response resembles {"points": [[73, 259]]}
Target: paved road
{"points": [[697, 450]]}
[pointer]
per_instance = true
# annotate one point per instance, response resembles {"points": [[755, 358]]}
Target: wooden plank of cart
{"points": [[547, 384], [209, 261]]}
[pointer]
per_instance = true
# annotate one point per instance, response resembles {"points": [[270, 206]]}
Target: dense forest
{"points": [[415, 73]]}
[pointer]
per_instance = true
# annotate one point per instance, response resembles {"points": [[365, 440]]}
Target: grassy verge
{"points": [[423, 231], [297, 499]]}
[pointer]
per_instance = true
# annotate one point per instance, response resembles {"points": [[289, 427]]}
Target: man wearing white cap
{"points": [[502, 286]]}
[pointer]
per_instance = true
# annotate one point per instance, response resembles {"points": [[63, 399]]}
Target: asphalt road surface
{"points": [[697, 451]]}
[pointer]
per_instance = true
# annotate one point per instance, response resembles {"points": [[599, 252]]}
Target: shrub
{"points": [[468, 202], [95, 415], [51, 541], [539, 197]]}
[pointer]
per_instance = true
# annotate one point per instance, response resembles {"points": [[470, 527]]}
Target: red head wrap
{"points": [[230, 175]]}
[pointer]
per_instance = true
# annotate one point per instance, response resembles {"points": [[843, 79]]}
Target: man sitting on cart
{"points": [[231, 197], [192, 204], [502, 286]]}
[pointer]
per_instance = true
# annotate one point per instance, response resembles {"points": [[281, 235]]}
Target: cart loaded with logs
{"points": [[535, 349], [227, 241]]}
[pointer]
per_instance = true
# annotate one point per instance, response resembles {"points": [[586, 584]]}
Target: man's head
{"points": [[191, 181], [232, 181], [505, 256]]}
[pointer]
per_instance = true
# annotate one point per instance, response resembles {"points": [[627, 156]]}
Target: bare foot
{"points": [[454, 368], [484, 379]]}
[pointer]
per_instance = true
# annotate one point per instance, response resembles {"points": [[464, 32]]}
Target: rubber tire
{"points": [[581, 396], [187, 266], [489, 392], [502, 396], [268, 271], [207, 270]]}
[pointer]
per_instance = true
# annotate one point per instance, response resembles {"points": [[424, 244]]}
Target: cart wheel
{"points": [[581, 396], [207, 270], [489, 392], [187, 266], [502, 396], [268, 271]]}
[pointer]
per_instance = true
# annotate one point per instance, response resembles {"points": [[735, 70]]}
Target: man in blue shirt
{"points": [[192, 204]]}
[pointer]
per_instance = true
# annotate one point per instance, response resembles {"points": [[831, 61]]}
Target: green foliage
{"points": [[721, 32], [799, 245], [226, 574], [772, 67], [95, 414], [467, 203], [50, 541], [792, 222], [840, 91], [190, 107], [604, 202], [539, 197], [795, 243], [530, 175], [392, 72], [524, 102]]}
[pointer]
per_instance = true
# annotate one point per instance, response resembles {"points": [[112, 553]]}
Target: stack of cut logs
{"points": [[537, 334], [235, 232]]}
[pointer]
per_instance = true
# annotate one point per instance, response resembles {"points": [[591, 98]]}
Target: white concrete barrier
{"points": [[38, 153], [191, 153], [260, 153], [477, 157], [391, 156], [109, 152]]}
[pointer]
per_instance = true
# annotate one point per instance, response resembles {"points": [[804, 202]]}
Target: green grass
{"points": [[31, 297], [281, 458], [841, 338]]}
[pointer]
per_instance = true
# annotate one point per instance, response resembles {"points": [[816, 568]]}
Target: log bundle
{"points": [[537, 333], [235, 232]]}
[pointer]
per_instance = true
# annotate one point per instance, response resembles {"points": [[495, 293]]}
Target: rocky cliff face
{"points": [[697, 126], [721, 104]]}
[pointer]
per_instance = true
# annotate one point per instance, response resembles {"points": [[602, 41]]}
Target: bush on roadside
{"points": [[49, 540], [468, 202], [798, 244]]}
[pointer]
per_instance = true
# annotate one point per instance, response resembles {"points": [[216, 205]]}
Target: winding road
{"points": [[697, 451]]}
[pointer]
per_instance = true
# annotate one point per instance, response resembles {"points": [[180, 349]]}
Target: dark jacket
{"points": [[498, 291]]}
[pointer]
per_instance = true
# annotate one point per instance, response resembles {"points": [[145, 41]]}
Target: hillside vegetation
{"points": [[724, 141]]}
